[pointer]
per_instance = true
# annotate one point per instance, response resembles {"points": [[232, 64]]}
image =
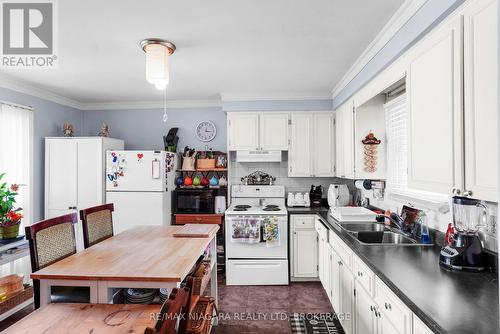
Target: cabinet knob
{"points": [[371, 308], [455, 191]]}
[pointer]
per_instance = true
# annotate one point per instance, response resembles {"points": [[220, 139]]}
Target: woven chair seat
{"points": [[200, 318]]}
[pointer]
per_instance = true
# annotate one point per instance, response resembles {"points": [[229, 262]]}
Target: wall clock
{"points": [[205, 131]]}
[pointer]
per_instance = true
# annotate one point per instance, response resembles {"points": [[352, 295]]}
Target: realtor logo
{"points": [[28, 31]]}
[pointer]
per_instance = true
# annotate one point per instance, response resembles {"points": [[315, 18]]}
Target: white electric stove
{"points": [[251, 259]]}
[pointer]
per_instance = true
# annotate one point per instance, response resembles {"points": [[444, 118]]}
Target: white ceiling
{"points": [[238, 48]]}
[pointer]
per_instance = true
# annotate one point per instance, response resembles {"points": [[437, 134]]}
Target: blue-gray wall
{"points": [[48, 118], [427, 17], [143, 129]]}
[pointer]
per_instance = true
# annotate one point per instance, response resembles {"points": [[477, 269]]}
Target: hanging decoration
{"points": [[371, 142]]}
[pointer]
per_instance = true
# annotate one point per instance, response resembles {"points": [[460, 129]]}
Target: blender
{"points": [[465, 251]]}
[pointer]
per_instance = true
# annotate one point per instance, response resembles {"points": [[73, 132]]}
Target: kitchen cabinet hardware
{"points": [[468, 193], [455, 191]]}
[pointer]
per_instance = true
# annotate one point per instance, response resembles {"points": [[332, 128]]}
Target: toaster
{"points": [[298, 200]]}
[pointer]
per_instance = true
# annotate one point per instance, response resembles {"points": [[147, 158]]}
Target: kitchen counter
{"points": [[446, 301]]}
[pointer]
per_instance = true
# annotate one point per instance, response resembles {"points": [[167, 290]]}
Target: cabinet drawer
{"points": [[198, 219], [364, 276], [342, 249], [300, 222], [393, 308]]}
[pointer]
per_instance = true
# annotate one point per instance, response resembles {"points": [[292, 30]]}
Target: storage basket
{"points": [[206, 163]]}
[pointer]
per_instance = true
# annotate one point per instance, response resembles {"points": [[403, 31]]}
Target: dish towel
{"points": [[245, 230], [271, 232]]}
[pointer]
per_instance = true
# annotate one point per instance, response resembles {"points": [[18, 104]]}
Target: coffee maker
{"points": [[464, 251]]}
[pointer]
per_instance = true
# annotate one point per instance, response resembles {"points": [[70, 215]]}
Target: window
{"points": [[396, 118], [15, 153], [397, 149]]}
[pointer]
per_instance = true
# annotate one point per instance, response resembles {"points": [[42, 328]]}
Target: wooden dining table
{"points": [[141, 257]]}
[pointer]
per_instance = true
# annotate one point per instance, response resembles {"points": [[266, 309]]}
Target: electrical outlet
{"points": [[491, 226]]}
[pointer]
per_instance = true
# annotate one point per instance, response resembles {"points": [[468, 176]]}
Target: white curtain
{"points": [[15, 160]]}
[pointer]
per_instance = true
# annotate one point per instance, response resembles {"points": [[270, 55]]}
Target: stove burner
{"points": [[272, 206], [242, 206], [240, 209], [267, 208]]}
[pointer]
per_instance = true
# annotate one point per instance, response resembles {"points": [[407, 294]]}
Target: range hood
{"points": [[258, 156]]}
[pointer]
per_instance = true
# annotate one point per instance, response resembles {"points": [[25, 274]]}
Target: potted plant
{"points": [[10, 217]]}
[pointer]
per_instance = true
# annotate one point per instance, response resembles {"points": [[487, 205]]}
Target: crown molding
{"points": [[24, 87], [248, 98], [171, 104], [407, 10]]}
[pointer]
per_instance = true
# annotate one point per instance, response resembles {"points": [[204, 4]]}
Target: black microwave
{"points": [[188, 200]]}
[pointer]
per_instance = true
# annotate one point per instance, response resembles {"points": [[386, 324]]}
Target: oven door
{"points": [[252, 247], [185, 201]]}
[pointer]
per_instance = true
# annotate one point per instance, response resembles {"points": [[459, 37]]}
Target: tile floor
{"points": [[254, 309], [265, 309]]}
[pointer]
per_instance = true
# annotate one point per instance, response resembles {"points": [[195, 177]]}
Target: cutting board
{"points": [[196, 231]]}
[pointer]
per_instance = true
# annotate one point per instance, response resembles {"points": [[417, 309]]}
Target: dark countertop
{"points": [[446, 301]]}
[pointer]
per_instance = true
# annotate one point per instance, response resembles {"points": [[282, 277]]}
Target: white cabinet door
{"points": [[384, 326], [344, 141], [335, 277], [339, 141], [305, 250], [300, 155], [321, 261], [273, 131], [243, 131], [60, 177], [347, 299], [419, 327], [326, 265], [365, 317], [90, 173], [348, 140], [481, 99], [324, 141], [435, 113]]}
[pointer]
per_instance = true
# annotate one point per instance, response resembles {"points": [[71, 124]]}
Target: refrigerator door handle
{"points": [[155, 169]]}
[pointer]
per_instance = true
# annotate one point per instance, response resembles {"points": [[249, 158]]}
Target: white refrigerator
{"points": [[139, 184]]}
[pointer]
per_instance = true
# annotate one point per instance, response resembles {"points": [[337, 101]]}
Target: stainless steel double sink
{"points": [[377, 234]]}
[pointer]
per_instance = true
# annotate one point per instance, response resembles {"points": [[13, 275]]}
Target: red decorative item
{"points": [[448, 238], [204, 181], [188, 181], [139, 156]]}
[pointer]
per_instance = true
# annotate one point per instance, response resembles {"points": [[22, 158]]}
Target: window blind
{"points": [[397, 149]]}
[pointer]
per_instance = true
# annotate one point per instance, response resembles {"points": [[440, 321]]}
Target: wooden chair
{"points": [[52, 240], [97, 224], [200, 309], [173, 310]]}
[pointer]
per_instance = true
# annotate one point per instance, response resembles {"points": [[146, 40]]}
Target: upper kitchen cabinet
{"points": [[435, 111], [481, 99], [273, 131], [312, 145], [257, 131], [344, 141], [300, 155], [243, 131]]}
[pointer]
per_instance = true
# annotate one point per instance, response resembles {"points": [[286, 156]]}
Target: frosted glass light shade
{"points": [[157, 65]]}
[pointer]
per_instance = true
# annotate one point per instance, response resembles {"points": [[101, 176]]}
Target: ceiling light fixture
{"points": [[157, 53]]}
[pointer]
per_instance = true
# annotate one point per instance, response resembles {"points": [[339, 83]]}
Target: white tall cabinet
{"points": [[435, 112], [74, 174], [481, 99]]}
